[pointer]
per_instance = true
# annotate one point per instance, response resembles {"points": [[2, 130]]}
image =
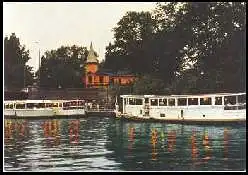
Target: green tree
{"points": [[131, 46], [63, 68], [148, 84], [211, 37], [16, 73]]}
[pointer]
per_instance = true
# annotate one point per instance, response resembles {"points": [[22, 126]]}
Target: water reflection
{"points": [[194, 149], [15, 130], [51, 130], [154, 141], [74, 131], [171, 140], [131, 134], [169, 145], [225, 140], [206, 146], [109, 144]]}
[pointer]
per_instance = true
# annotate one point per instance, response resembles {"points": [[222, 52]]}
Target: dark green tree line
{"points": [[17, 74], [63, 68], [192, 47]]}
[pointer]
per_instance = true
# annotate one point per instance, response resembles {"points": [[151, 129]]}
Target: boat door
{"points": [[147, 107], [123, 106]]}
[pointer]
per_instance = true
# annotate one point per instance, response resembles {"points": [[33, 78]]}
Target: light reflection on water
{"points": [[108, 144]]}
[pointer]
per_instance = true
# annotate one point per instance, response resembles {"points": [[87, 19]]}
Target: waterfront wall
{"points": [[70, 94]]}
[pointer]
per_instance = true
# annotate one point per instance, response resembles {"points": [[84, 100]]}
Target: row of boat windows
{"points": [[228, 100], [74, 103], [41, 105]]}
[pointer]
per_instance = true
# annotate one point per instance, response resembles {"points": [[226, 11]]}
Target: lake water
{"points": [[109, 144]]}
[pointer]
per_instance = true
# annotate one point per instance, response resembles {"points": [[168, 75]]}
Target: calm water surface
{"points": [[109, 144]]}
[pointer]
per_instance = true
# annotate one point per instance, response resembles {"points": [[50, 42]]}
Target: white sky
{"points": [[54, 24]]}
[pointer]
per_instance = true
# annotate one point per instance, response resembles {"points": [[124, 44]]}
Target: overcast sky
{"points": [[55, 24]]}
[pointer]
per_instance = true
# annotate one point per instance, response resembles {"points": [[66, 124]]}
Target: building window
{"points": [[182, 101], [90, 79], [101, 79]]}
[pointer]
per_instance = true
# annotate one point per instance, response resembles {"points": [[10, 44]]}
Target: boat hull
{"points": [[35, 113], [69, 112], [190, 114]]}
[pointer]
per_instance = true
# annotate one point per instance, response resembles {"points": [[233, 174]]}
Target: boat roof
{"points": [[186, 96]]}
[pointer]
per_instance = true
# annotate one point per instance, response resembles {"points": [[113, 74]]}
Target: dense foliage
{"points": [[188, 47], [16, 73], [192, 47], [63, 68]]}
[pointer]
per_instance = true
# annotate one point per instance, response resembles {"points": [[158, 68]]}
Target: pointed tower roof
{"points": [[91, 58]]}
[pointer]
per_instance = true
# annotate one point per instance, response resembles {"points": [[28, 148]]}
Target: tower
{"points": [[91, 62], [91, 67]]}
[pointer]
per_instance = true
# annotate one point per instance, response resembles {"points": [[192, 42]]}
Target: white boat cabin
{"points": [[190, 106]]}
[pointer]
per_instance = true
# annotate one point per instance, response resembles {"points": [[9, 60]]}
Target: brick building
{"points": [[97, 79]]}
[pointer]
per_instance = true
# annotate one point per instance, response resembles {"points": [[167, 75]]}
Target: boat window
{"points": [[30, 105], [192, 101], [154, 102], [20, 106], [80, 103], [60, 104], [138, 101], [242, 98], [131, 101], [218, 100], [163, 102], [74, 103], [146, 100], [182, 101], [205, 101], [230, 100], [55, 104], [171, 102], [6, 106], [40, 105], [49, 105], [11, 106], [125, 101]]}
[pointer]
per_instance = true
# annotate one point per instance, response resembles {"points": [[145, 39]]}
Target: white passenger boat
{"points": [[42, 108], [204, 107]]}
